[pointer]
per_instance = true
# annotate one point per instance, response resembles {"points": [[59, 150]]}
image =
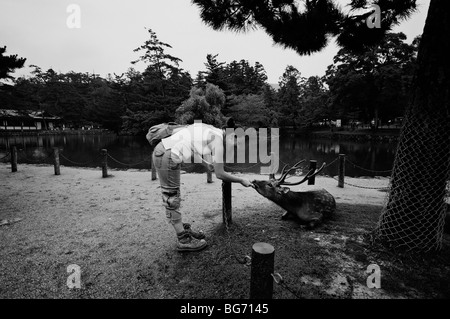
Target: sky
{"points": [[110, 30]]}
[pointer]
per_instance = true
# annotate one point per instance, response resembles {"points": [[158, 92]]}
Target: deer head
{"points": [[310, 206], [273, 189]]}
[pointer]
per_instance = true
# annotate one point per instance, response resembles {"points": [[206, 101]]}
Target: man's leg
{"points": [[169, 176]]}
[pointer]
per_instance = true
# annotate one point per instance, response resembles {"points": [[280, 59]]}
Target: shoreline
{"points": [[363, 135], [6, 134], [358, 136]]}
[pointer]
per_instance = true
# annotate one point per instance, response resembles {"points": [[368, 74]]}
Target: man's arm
{"points": [[219, 167]]}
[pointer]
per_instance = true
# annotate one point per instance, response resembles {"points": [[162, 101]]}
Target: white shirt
{"points": [[198, 139]]}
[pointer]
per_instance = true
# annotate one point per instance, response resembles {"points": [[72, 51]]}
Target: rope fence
{"points": [[38, 161], [4, 157], [342, 159], [77, 163], [130, 165], [368, 170], [359, 186], [279, 280], [238, 169]]}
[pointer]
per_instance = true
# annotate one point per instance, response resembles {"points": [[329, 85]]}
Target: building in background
{"points": [[25, 120]]}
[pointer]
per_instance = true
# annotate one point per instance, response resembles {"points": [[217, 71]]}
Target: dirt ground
{"points": [[115, 230]]}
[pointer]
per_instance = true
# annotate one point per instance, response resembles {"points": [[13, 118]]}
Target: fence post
{"points": [[209, 176], [104, 163], [226, 202], [153, 168], [261, 281], [312, 165], [341, 170], [272, 161], [56, 161], [13, 159]]}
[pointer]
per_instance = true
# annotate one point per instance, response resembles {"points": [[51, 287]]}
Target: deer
{"points": [[310, 207]]}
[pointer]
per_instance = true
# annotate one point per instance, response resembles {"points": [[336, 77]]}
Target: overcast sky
{"points": [[111, 29]]}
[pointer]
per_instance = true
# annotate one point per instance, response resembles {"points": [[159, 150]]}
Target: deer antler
{"points": [[285, 172], [310, 174]]}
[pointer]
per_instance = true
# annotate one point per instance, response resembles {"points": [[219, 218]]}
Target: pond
{"points": [[362, 159]]}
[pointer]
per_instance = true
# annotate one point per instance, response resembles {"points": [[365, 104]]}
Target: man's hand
{"points": [[247, 183]]}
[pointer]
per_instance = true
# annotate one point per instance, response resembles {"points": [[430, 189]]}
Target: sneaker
{"points": [[186, 242], [195, 234]]}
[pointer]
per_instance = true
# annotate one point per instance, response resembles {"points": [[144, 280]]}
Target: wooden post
{"points": [[209, 176], [261, 280], [56, 161], [226, 202], [312, 165], [13, 159], [272, 161], [154, 177], [341, 170], [104, 163]]}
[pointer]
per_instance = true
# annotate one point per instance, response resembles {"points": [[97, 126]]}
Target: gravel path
{"points": [[113, 228]]}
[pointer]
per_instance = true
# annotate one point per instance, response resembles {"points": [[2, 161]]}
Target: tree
{"points": [[215, 73], [415, 212], [242, 78], [79, 98], [154, 95], [314, 102], [272, 103], [163, 78], [200, 80], [234, 78], [159, 62], [9, 63], [314, 22], [203, 104], [138, 123], [374, 83], [39, 90], [104, 107], [289, 95], [250, 110]]}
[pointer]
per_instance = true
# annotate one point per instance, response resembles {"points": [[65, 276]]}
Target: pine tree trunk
{"points": [[414, 215]]}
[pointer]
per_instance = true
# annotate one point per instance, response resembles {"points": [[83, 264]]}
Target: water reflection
{"points": [[84, 150]]}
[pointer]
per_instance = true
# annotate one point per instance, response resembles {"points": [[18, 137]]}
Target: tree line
{"points": [[357, 86]]}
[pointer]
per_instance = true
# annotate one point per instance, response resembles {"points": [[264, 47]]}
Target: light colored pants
{"points": [[169, 178]]}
